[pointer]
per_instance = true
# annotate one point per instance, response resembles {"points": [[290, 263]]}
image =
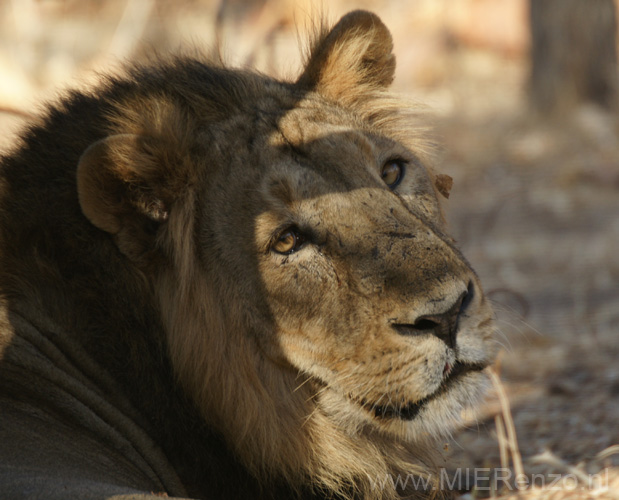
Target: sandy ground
{"points": [[535, 203]]}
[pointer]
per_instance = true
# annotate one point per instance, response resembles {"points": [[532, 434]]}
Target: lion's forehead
{"points": [[305, 157], [326, 126]]}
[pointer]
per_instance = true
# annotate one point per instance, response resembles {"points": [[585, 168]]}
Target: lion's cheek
{"points": [[304, 290]]}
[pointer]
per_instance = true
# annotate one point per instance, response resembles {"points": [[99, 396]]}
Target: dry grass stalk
{"points": [[502, 439], [511, 442], [549, 458], [607, 453]]}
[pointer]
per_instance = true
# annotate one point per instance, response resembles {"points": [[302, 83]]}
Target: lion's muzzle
{"points": [[443, 325]]}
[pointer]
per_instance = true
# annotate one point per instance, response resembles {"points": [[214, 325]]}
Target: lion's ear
{"points": [[353, 57], [119, 186]]}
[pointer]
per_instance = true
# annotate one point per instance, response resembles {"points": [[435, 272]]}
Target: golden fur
{"points": [[329, 366]]}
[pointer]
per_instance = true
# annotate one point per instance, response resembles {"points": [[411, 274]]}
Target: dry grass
{"points": [[535, 204], [562, 482]]}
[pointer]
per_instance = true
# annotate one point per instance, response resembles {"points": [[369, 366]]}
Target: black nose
{"points": [[442, 325]]}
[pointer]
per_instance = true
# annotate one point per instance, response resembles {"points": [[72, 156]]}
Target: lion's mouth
{"points": [[410, 410]]}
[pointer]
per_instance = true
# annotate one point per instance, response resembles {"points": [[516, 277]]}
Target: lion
{"points": [[219, 285]]}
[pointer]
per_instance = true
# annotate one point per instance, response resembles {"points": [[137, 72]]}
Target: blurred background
{"points": [[523, 99]]}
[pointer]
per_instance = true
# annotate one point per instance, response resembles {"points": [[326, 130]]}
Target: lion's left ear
{"points": [[355, 56]]}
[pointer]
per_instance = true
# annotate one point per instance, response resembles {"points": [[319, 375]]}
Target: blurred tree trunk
{"points": [[574, 53]]}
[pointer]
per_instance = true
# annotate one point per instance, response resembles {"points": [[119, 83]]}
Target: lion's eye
{"points": [[289, 241], [392, 173]]}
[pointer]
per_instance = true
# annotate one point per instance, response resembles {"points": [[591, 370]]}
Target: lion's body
{"points": [[159, 335]]}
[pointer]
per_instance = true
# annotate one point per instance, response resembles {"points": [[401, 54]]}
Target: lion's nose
{"points": [[443, 325]]}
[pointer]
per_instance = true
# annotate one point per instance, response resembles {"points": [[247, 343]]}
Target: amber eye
{"points": [[289, 241], [392, 173]]}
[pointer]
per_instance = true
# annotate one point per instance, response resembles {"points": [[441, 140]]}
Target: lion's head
{"points": [[314, 308]]}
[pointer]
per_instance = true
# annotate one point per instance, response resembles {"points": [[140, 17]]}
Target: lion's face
{"points": [[359, 289], [315, 310]]}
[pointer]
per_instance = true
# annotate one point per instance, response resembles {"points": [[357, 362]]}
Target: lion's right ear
{"points": [[120, 191], [355, 56]]}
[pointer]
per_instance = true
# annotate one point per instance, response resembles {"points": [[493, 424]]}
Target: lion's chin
{"points": [[410, 410]]}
